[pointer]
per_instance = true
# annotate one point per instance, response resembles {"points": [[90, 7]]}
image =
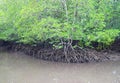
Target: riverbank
{"points": [[58, 55]]}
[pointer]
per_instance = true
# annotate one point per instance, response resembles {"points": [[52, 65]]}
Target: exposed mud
{"points": [[58, 55]]}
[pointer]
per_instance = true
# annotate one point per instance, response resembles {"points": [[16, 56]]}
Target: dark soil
{"points": [[58, 55]]}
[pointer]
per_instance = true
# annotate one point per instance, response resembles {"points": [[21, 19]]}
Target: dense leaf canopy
{"points": [[34, 21]]}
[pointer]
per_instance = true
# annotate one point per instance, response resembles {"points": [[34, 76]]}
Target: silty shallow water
{"points": [[20, 68]]}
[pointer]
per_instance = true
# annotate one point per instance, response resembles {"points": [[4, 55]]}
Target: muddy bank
{"points": [[58, 55]]}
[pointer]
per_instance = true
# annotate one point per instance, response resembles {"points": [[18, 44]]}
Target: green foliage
{"points": [[34, 21], [106, 37]]}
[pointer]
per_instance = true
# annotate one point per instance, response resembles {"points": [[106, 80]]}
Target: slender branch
{"points": [[75, 11], [64, 3]]}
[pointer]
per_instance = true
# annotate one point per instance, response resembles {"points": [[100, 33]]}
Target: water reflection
{"points": [[19, 68]]}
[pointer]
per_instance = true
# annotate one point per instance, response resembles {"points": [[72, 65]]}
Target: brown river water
{"points": [[20, 68]]}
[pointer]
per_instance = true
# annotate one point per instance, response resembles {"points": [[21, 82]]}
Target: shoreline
{"points": [[57, 55]]}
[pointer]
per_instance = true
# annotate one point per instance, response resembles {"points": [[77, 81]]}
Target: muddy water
{"points": [[20, 68]]}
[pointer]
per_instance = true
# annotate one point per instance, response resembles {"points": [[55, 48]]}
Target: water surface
{"points": [[20, 68]]}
